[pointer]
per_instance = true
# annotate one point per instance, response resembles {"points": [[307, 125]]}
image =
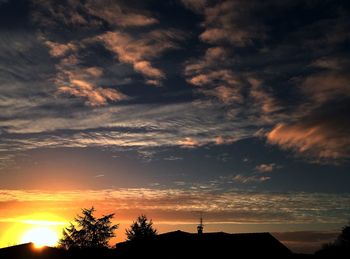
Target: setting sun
{"points": [[40, 236]]}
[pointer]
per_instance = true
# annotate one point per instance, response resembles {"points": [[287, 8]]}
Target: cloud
{"points": [[323, 87], [145, 68], [265, 168], [223, 84], [320, 138], [250, 179], [82, 83], [188, 142], [231, 22], [261, 98], [130, 48], [96, 96], [328, 63], [180, 204], [117, 15], [195, 5], [139, 51], [219, 140], [252, 77], [221, 72], [94, 71], [59, 50], [320, 130], [49, 13], [172, 158], [89, 14]]}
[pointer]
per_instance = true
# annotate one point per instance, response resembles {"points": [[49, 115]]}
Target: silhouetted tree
{"points": [[344, 237], [340, 248], [141, 229], [88, 231]]}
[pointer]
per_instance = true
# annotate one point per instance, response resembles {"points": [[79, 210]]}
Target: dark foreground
{"points": [[176, 244]]}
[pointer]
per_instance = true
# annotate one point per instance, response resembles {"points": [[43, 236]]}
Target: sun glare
{"points": [[40, 236]]}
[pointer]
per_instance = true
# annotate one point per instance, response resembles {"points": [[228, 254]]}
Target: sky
{"points": [[234, 109]]}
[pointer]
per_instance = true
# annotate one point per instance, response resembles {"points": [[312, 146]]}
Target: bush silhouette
{"points": [[340, 248], [344, 237], [88, 231], [141, 229]]}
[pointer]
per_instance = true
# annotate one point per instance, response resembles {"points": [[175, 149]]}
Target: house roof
{"points": [[179, 243]]}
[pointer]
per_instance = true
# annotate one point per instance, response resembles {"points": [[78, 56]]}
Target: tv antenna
{"points": [[200, 225]]}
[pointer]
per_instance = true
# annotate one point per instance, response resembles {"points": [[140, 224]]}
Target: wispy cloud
{"points": [[139, 51], [195, 5], [250, 179], [58, 49], [188, 142], [117, 15], [319, 140], [250, 76], [266, 168], [231, 206], [222, 73]]}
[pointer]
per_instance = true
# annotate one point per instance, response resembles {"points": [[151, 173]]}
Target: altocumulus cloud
{"points": [[321, 82], [170, 204], [248, 71]]}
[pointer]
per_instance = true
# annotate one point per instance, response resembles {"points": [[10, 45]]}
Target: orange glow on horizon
{"points": [[41, 229], [41, 236]]}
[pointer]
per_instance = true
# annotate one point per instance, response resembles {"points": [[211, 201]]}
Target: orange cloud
{"points": [[139, 51], [188, 142], [82, 83], [226, 23], [116, 15], [219, 140], [320, 140], [225, 85], [96, 96], [262, 98], [145, 68], [58, 49], [213, 35], [215, 53], [265, 168], [223, 75], [94, 71], [200, 80], [226, 94], [325, 86]]}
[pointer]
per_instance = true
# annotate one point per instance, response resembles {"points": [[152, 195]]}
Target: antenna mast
{"points": [[200, 226]]}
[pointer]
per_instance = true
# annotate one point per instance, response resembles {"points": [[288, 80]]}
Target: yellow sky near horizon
{"points": [[170, 209]]}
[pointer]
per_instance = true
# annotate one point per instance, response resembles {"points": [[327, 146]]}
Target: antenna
{"points": [[200, 226]]}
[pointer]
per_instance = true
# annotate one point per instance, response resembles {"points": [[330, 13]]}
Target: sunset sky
{"points": [[236, 109]]}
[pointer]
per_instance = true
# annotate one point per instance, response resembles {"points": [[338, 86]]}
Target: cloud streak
{"points": [[231, 206], [139, 51], [266, 168]]}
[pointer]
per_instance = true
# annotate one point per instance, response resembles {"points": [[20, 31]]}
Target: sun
{"points": [[40, 236]]}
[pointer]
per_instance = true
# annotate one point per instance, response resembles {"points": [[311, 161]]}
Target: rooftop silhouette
{"points": [[179, 244]]}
